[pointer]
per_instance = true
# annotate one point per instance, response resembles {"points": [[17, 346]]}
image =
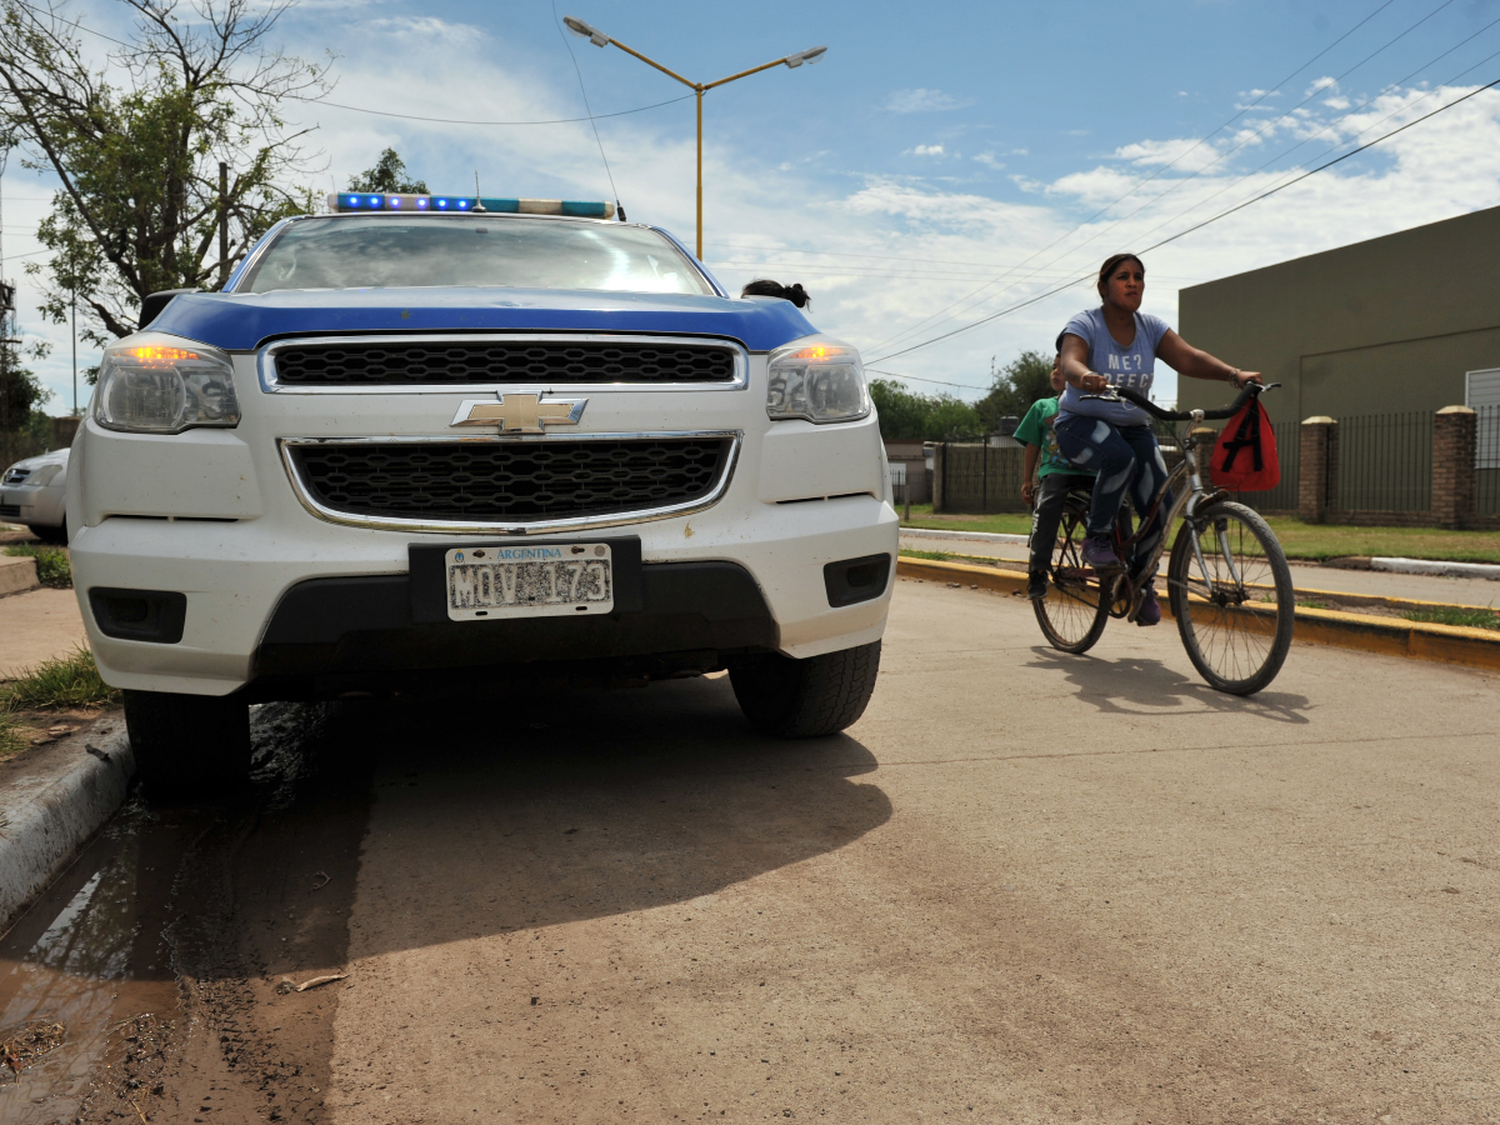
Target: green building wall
{"points": [[1388, 325]]}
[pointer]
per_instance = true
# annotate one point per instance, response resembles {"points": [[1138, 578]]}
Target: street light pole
{"points": [[599, 39]]}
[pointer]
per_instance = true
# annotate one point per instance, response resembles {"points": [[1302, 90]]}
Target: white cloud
{"points": [[883, 256], [924, 101], [1186, 153], [1324, 83], [427, 27]]}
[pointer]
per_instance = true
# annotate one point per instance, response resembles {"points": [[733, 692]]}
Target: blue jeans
{"points": [[1125, 457]]}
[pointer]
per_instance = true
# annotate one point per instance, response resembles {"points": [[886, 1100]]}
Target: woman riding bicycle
{"points": [[1117, 345]]}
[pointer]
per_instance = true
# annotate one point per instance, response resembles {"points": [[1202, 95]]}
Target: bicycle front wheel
{"points": [[1076, 608], [1231, 591]]}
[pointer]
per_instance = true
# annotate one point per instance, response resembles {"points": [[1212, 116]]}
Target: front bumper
{"points": [[279, 612]]}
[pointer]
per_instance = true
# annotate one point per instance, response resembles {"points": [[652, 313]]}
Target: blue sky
{"points": [[942, 163]]}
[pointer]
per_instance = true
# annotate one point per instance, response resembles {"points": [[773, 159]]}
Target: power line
{"points": [[1196, 226], [78, 26], [1330, 148], [919, 379], [462, 121], [965, 300]]}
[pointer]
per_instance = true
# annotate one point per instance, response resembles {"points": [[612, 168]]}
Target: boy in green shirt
{"points": [[1057, 476]]}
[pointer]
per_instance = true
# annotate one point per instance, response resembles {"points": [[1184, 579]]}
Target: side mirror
{"points": [[152, 306]]}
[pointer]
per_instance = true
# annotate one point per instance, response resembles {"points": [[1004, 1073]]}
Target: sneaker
{"points": [[1036, 587], [1150, 611], [1099, 553]]}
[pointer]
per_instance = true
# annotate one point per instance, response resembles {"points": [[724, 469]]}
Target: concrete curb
{"points": [[17, 574], [976, 536], [1442, 569], [47, 814], [1447, 644]]}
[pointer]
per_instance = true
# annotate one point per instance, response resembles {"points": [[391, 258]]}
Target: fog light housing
{"points": [[157, 616], [851, 581]]}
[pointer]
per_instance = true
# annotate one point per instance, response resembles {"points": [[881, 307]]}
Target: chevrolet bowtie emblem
{"points": [[520, 413]]}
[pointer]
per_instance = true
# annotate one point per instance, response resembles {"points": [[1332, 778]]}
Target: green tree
{"points": [[914, 417], [388, 175], [1014, 387], [138, 144]]}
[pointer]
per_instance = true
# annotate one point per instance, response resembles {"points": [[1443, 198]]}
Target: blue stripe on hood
{"points": [[245, 321]]}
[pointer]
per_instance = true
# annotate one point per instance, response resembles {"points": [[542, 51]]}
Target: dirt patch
{"points": [[46, 728]]}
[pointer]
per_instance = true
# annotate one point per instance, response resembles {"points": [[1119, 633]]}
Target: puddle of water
{"points": [[72, 961], [96, 951]]}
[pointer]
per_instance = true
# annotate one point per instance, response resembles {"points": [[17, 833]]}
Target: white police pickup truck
{"points": [[430, 439]]}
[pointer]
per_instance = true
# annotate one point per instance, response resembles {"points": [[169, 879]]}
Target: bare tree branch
{"points": [[136, 144]]}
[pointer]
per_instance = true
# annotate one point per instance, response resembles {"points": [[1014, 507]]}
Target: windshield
{"points": [[379, 252]]}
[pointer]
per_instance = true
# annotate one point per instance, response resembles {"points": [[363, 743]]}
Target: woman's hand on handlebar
{"points": [[1093, 383], [1242, 377]]}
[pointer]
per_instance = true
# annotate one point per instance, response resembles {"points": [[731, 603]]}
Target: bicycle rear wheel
{"points": [[1232, 597], [1076, 608]]}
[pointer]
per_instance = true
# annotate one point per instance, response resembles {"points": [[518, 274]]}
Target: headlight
{"points": [[817, 379], [160, 384], [43, 475]]}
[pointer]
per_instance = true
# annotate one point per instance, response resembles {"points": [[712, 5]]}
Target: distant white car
{"points": [[33, 491]]}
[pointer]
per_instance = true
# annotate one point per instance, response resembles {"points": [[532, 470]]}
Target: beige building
{"points": [[1408, 322]]}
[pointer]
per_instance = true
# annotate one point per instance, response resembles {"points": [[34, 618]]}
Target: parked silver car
{"points": [[32, 493]]}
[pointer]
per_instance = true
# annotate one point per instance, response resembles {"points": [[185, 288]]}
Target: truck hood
{"points": [[245, 321]]}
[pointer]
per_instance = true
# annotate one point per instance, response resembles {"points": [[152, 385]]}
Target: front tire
{"points": [[188, 747], [806, 698], [1235, 609], [1076, 608]]}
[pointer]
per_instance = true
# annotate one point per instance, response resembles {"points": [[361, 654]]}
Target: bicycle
{"points": [[1228, 583]]}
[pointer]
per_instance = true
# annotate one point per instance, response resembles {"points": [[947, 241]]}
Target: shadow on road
{"points": [[520, 809], [533, 811], [1137, 685]]}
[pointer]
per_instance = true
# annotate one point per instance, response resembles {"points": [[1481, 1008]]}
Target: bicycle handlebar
{"points": [[1126, 394]]}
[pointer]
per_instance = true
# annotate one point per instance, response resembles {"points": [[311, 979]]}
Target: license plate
{"points": [[551, 580]]}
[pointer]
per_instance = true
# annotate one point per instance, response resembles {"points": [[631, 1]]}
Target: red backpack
{"points": [[1244, 457]]}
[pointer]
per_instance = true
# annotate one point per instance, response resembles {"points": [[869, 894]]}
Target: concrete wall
{"points": [[1384, 326]]}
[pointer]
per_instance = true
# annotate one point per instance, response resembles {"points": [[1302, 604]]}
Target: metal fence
{"points": [[981, 478], [1385, 463], [1487, 460], [899, 493]]}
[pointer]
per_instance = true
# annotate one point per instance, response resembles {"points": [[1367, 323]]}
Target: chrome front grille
{"points": [[461, 484], [456, 361]]}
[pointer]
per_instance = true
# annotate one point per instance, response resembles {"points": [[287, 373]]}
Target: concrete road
{"points": [[1380, 583], [1026, 887]]}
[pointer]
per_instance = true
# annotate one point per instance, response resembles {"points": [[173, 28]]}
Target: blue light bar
{"points": [[448, 204]]}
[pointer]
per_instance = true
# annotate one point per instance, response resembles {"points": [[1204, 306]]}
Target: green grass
{"points": [[1312, 542], [1004, 523], [67, 681], [52, 566], [936, 556], [11, 741], [1455, 615], [1332, 541]]}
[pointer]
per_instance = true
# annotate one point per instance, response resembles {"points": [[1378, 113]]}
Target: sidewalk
{"points": [[1305, 576], [37, 625], [54, 796]]}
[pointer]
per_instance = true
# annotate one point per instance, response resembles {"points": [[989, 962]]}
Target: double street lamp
{"points": [[599, 39]]}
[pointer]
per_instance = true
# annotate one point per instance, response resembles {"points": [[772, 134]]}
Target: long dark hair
{"points": [[1111, 264], [762, 287]]}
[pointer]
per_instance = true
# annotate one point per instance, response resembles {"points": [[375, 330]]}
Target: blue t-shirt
{"points": [[1133, 367]]}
